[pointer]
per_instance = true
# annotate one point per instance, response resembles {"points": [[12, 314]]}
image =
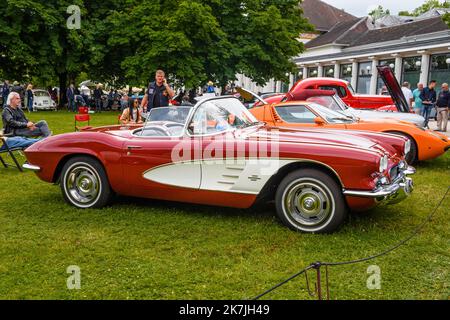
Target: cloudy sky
{"points": [[360, 7]]}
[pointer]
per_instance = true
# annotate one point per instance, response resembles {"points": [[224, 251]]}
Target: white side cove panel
{"points": [[182, 174], [240, 176]]}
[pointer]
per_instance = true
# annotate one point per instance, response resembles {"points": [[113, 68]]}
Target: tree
{"points": [[429, 5], [36, 41], [197, 41], [379, 12]]}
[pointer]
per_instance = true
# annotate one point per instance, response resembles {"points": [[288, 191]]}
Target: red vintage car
{"points": [[345, 91], [217, 153]]}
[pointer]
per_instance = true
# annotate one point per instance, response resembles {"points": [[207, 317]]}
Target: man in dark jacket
{"points": [[15, 122], [98, 98], [70, 94], [442, 106], [158, 93], [428, 97]]}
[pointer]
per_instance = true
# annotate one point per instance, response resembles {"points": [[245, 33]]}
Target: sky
{"points": [[360, 8]]}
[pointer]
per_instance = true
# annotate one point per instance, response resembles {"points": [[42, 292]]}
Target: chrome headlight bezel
{"points": [[384, 161], [407, 147]]}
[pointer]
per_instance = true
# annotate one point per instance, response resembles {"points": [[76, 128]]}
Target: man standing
{"points": [[5, 92], [442, 105], [15, 122], [428, 98], [417, 101], [158, 93], [70, 94], [408, 94], [98, 98]]}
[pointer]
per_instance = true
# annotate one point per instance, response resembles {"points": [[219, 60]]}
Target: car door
{"points": [[160, 167]]}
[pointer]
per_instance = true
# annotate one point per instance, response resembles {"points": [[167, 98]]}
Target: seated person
{"points": [[17, 143], [15, 122], [132, 114]]}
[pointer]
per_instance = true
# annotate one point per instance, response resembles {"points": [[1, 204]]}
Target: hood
{"points": [[394, 88], [367, 114], [319, 137]]}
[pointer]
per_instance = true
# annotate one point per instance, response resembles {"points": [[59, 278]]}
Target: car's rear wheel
{"points": [[309, 200], [84, 183]]}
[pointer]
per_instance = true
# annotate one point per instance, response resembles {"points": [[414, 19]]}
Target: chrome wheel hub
{"points": [[82, 185], [308, 202]]}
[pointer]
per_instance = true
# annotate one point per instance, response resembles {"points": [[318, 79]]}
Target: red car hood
{"points": [[355, 139]]}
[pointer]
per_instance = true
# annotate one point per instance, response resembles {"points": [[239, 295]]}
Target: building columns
{"points": [[305, 72], [374, 78], [354, 81], [337, 70], [398, 68], [320, 71], [425, 69]]}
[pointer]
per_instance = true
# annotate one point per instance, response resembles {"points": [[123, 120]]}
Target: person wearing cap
{"points": [[158, 93]]}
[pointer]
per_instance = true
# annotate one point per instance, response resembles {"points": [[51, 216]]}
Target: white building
{"points": [[417, 49]]}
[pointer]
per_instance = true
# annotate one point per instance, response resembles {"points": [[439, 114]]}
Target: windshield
{"points": [[350, 88], [172, 114], [327, 101], [220, 115], [331, 116], [41, 94]]}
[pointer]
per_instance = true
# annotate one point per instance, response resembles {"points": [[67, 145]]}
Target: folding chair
{"points": [[10, 151], [83, 110], [82, 118]]}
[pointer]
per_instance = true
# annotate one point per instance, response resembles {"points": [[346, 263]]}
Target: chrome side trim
{"points": [[31, 167]]}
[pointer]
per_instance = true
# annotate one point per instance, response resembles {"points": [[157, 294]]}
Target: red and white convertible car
{"points": [[217, 153]]}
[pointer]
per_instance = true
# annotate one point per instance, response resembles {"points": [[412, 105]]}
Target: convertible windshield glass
{"points": [[326, 101], [331, 116], [173, 114], [219, 115]]}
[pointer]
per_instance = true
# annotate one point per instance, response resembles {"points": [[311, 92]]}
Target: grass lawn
{"points": [[144, 249]]}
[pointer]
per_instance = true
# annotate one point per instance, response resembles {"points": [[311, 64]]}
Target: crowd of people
{"points": [[424, 99]]}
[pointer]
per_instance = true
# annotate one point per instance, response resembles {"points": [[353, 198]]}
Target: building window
{"points": [[328, 71], [346, 72], [313, 72], [440, 68], [411, 71], [380, 83], [364, 75]]}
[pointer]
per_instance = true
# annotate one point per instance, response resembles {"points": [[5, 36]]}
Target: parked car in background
{"points": [[425, 144], [329, 99], [396, 102], [43, 101]]}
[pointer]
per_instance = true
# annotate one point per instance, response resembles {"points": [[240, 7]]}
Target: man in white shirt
{"points": [[408, 93]]}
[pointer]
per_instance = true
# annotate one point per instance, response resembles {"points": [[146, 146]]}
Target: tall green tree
{"points": [[196, 41], [35, 40]]}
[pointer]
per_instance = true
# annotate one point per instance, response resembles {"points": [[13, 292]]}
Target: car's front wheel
{"points": [[84, 183], [309, 200]]}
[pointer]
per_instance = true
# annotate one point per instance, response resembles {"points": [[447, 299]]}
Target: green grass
{"points": [[144, 249]]}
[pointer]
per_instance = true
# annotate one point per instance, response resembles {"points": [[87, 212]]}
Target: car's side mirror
{"points": [[319, 121]]}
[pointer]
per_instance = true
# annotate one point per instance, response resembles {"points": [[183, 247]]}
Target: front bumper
{"points": [[392, 193]]}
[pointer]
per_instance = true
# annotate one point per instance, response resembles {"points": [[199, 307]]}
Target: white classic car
{"points": [[43, 101]]}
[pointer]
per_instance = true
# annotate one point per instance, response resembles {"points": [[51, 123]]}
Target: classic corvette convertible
{"points": [[425, 144], [218, 153]]}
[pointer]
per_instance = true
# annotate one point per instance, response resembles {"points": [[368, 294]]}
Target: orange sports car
{"points": [[425, 144]]}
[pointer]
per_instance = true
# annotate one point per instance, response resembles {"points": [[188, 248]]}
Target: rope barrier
{"points": [[318, 265]]}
